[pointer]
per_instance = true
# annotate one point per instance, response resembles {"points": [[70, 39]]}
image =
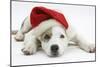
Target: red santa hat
{"points": [[40, 14]]}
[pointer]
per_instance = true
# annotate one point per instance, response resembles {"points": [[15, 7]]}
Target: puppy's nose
{"points": [[54, 48]]}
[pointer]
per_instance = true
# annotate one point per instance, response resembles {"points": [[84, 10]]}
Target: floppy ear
{"points": [[47, 34]]}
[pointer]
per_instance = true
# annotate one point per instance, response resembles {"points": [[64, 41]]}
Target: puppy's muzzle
{"points": [[54, 50]]}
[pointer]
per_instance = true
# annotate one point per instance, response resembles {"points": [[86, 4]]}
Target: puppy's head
{"points": [[54, 41]]}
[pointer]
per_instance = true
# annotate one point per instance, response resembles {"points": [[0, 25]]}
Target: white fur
{"points": [[24, 29], [30, 43], [55, 39]]}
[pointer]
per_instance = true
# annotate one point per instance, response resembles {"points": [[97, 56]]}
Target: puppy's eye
{"points": [[61, 36], [46, 37]]}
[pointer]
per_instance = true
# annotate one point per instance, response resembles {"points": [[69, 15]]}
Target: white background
{"points": [[5, 33], [81, 17]]}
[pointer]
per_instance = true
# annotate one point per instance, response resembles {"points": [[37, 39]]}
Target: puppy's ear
{"points": [[46, 35]]}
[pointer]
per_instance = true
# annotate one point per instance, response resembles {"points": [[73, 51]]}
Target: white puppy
{"points": [[52, 37]]}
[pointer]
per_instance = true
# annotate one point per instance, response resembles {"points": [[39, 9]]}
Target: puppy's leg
{"points": [[79, 40], [30, 45], [84, 44], [26, 26]]}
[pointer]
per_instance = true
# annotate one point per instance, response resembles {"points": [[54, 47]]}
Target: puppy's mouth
{"points": [[53, 54]]}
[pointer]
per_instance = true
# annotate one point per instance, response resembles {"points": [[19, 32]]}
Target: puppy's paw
{"points": [[92, 48], [19, 37], [28, 51]]}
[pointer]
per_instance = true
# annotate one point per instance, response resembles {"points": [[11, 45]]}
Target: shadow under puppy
{"points": [[49, 29]]}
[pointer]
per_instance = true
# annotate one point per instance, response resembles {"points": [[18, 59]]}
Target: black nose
{"points": [[54, 49]]}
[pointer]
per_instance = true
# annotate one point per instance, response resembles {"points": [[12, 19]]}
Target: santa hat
{"points": [[40, 14]]}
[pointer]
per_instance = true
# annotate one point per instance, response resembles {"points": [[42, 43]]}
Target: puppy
{"points": [[50, 29], [52, 37]]}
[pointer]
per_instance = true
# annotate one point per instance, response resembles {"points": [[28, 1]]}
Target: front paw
{"points": [[92, 48], [28, 51]]}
